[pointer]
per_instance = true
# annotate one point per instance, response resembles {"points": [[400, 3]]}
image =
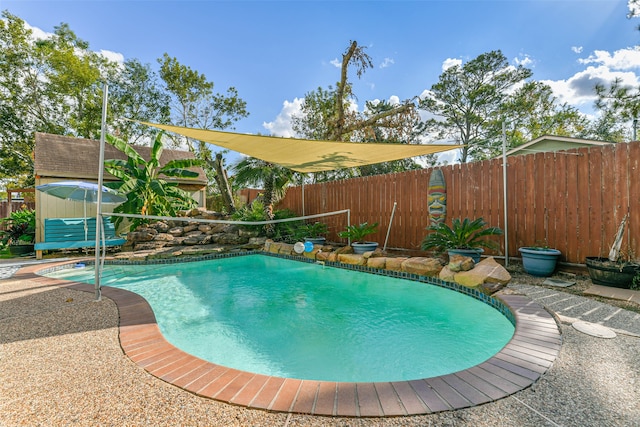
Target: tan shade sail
{"points": [[303, 155]]}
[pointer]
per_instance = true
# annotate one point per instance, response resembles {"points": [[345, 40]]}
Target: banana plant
{"points": [[145, 184]]}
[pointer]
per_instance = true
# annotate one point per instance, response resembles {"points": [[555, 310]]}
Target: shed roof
{"points": [[58, 156], [546, 143]]}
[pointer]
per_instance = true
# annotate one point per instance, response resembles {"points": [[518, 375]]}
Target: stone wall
{"points": [[165, 239], [487, 276]]}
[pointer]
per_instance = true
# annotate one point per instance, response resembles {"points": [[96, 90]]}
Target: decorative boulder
{"points": [[459, 263], [377, 262], [164, 237], [395, 264], [189, 228], [176, 231], [323, 255], [142, 235], [286, 249], [487, 274], [353, 259], [205, 228], [447, 274], [161, 227], [422, 266]]}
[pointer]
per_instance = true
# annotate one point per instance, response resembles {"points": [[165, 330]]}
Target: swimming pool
{"points": [[292, 319]]}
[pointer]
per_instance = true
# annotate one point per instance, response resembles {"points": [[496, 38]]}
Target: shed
{"points": [[547, 143], [64, 158]]}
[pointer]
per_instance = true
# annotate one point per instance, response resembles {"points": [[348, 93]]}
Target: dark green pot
{"points": [[606, 273], [19, 250]]}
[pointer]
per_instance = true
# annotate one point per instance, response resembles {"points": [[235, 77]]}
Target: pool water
{"points": [[292, 319]]}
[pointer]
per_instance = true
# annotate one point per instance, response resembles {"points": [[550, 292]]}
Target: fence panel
{"points": [[574, 200]]}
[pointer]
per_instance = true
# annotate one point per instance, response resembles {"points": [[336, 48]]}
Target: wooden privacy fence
{"points": [[571, 200], [7, 207]]}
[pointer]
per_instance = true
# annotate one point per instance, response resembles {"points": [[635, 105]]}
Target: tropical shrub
{"points": [[144, 184], [20, 227], [357, 233], [255, 212], [463, 234]]}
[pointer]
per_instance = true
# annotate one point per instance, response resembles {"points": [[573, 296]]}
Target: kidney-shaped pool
{"points": [[286, 318]]}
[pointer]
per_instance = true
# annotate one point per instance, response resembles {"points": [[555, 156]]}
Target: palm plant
{"points": [[357, 233], [143, 182], [463, 234], [273, 179]]}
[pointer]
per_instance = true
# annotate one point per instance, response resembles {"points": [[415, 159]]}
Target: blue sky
{"points": [[274, 52]]}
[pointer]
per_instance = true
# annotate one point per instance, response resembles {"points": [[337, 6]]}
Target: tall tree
{"points": [[16, 51], [467, 98], [136, 94], [196, 105], [530, 112], [47, 85], [328, 114], [73, 75], [621, 101]]}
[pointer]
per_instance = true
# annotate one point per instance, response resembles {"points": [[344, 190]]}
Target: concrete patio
{"points": [[61, 364]]}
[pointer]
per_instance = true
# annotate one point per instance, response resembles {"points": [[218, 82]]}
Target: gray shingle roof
{"points": [[58, 156]]}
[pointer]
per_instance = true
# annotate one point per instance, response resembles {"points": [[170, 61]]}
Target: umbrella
{"points": [[81, 191]]}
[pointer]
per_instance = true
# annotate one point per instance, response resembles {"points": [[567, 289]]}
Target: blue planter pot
{"points": [[471, 253], [360, 248], [316, 240], [539, 262]]}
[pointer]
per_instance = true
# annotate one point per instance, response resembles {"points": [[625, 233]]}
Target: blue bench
{"points": [[69, 233]]}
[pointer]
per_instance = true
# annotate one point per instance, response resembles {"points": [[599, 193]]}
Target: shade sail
{"points": [[303, 155]]}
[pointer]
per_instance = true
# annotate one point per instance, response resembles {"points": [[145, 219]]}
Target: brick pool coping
{"points": [[528, 355]]}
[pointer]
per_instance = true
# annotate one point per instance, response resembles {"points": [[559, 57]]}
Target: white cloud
{"points": [[387, 63], [112, 56], [336, 63], [578, 90], [281, 126], [524, 60], [37, 33], [634, 8], [623, 59], [450, 62], [577, 49]]}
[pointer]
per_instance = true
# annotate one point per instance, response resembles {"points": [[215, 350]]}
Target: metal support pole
{"points": [[504, 190], [99, 201], [393, 211]]}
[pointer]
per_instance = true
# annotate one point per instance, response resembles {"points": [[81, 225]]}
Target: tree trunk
{"points": [[268, 204], [223, 185]]}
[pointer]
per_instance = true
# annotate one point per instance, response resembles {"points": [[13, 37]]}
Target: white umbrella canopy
{"points": [[81, 191]]}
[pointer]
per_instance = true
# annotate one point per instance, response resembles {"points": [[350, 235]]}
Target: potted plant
{"points": [[464, 237], [357, 234], [314, 233], [539, 260], [619, 269], [20, 231]]}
